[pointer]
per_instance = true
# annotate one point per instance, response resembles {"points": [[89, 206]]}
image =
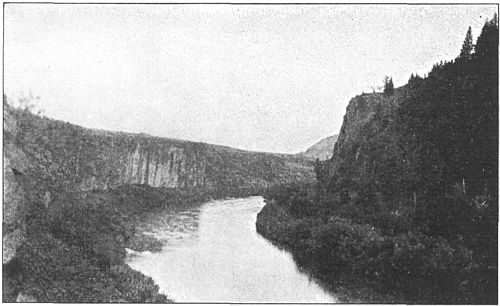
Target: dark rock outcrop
{"points": [[366, 141]]}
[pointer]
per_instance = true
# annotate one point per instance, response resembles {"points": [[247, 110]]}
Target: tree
{"points": [[388, 86], [494, 21], [26, 103], [487, 43], [467, 46]]}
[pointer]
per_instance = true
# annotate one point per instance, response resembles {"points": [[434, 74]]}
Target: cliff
{"points": [[367, 143], [409, 200], [15, 163], [46, 157]]}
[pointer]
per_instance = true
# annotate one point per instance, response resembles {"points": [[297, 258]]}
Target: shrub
{"points": [[425, 268], [56, 272]]}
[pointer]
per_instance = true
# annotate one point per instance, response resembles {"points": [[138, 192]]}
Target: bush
{"points": [[75, 248], [91, 224], [55, 272], [424, 268]]}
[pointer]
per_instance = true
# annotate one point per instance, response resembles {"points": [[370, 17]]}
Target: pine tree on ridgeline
{"points": [[467, 46], [388, 86]]}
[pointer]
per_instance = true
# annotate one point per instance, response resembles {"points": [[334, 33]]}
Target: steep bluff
{"points": [[44, 157], [367, 141], [365, 113]]}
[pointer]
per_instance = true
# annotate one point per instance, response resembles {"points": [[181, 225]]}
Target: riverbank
{"points": [[75, 248], [214, 255], [361, 263], [295, 235]]}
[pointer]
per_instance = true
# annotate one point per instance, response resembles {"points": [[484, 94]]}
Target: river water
{"points": [[214, 254]]}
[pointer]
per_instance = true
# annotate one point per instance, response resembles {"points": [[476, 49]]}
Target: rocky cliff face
{"points": [[366, 141], [69, 155], [15, 164], [162, 167], [44, 157]]}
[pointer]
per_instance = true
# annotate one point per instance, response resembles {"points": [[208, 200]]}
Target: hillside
{"points": [[71, 196], [408, 204], [93, 159], [57, 156], [321, 150]]}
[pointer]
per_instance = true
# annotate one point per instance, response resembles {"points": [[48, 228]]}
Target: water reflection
{"points": [[214, 254]]}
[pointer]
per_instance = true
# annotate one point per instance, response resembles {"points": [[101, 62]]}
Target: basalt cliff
{"points": [[43, 157]]}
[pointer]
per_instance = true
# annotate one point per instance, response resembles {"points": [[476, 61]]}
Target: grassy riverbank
{"points": [[75, 248]]}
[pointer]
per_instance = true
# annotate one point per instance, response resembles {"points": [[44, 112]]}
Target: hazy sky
{"points": [[266, 78]]}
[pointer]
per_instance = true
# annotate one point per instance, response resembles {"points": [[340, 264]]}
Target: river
{"points": [[212, 253]]}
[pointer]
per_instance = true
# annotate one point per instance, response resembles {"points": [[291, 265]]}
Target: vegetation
{"points": [[75, 248], [409, 201], [405, 267], [388, 86], [74, 252], [81, 209], [468, 46]]}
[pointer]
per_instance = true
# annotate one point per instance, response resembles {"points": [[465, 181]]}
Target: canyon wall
{"points": [[72, 156], [44, 157]]}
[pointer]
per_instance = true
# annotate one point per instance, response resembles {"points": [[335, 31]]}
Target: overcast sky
{"points": [[265, 78]]}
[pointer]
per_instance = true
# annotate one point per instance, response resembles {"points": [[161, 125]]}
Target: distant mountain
{"points": [[322, 150]]}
